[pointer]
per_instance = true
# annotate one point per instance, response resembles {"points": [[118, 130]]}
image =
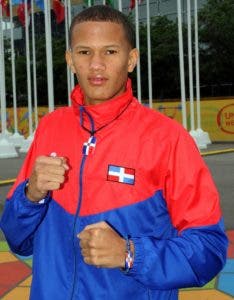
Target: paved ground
{"points": [[15, 271], [222, 168]]}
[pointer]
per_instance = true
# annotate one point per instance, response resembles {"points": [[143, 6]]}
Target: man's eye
{"points": [[111, 51], [84, 52]]}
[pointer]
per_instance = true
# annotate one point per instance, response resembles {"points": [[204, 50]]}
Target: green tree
{"points": [[41, 70], [165, 63], [8, 80], [60, 71], [216, 35]]}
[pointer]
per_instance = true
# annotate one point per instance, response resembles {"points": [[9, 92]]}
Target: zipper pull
{"points": [[89, 146]]}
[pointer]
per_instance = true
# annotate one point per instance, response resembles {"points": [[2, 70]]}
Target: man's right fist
{"points": [[47, 175]]}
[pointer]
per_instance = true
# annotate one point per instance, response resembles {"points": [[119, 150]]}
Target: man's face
{"points": [[101, 57]]}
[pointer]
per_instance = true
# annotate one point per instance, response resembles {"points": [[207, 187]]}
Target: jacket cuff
{"points": [[139, 256], [21, 189]]}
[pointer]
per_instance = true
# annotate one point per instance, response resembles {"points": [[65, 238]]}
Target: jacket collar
{"points": [[102, 113]]}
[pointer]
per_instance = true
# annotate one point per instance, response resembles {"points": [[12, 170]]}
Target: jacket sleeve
{"points": [[21, 217], [20, 220], [198, 251]]}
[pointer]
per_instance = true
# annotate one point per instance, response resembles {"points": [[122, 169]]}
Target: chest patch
{"points": [[121, 174]]}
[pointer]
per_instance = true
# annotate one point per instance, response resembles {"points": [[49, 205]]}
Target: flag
{"points": [[5, 7], [15, 2], [59, 11], [21, 12], [89, 147], [133, 3], [40, 4], [121, 174]]}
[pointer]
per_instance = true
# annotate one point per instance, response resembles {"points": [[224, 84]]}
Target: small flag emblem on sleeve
{"points": [[121, 174]]}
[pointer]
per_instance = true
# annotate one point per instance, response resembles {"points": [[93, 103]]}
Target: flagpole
{"points": [[2, 76], [67, 49], [13, 70], [7, 149], [203, 136], [34, 66], [192, 132], [149, 55], [181, 59], [28, 68], [197, 67], [120, 5], [16, 138], [138, 47], [49, 58], [190, 62], [72, 79]]}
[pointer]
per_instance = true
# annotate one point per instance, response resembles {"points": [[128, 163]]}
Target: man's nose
{"points": [[97, 62]]}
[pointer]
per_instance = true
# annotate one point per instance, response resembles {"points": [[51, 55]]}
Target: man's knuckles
{"points": [[92, 260], [49, 169]]}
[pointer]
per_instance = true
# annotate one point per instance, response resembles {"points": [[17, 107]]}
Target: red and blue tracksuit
{"points": [[142, 174]]}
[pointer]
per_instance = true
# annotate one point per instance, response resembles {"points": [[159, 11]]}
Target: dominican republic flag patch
{"points": [[121, 174], [88, 147]]}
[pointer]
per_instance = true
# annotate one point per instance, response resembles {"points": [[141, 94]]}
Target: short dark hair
{"points": [[104, 13]]}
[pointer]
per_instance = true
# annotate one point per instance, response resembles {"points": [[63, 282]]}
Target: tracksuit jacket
{"points": [[140, 172]]}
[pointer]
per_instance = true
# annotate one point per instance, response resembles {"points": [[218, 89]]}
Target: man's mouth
{"points": [[97, 80]]}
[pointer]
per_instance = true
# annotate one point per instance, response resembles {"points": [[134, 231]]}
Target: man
{"points": [[113, 199]]}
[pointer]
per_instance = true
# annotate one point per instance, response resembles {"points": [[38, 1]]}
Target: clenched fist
{"points": [[102, 246], [47, 175]]}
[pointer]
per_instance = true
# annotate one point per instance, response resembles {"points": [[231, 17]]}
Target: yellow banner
{"points": [[22, 119], [217, 117]]}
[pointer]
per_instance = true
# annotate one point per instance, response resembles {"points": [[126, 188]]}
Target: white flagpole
{"points": [[190, 62], [203, 136], [120, 5], [72, 78], [197, 66], [34, 66], [25, 146], [16, 138], [67, 48], [7, 149], [181, 59], [2, 76], [28, 68], [49, 58], [13, 69], [149, 55], [138, 47]]}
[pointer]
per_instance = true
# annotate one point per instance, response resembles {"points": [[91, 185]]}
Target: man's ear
{"points": [[132, 60], [68, 56]]}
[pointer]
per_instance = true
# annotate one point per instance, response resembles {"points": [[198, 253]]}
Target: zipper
{"points": [[88, 148], [75, 222]]}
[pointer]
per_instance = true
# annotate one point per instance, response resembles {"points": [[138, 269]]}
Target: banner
{"points": [[22, 115], [217, 117]]}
